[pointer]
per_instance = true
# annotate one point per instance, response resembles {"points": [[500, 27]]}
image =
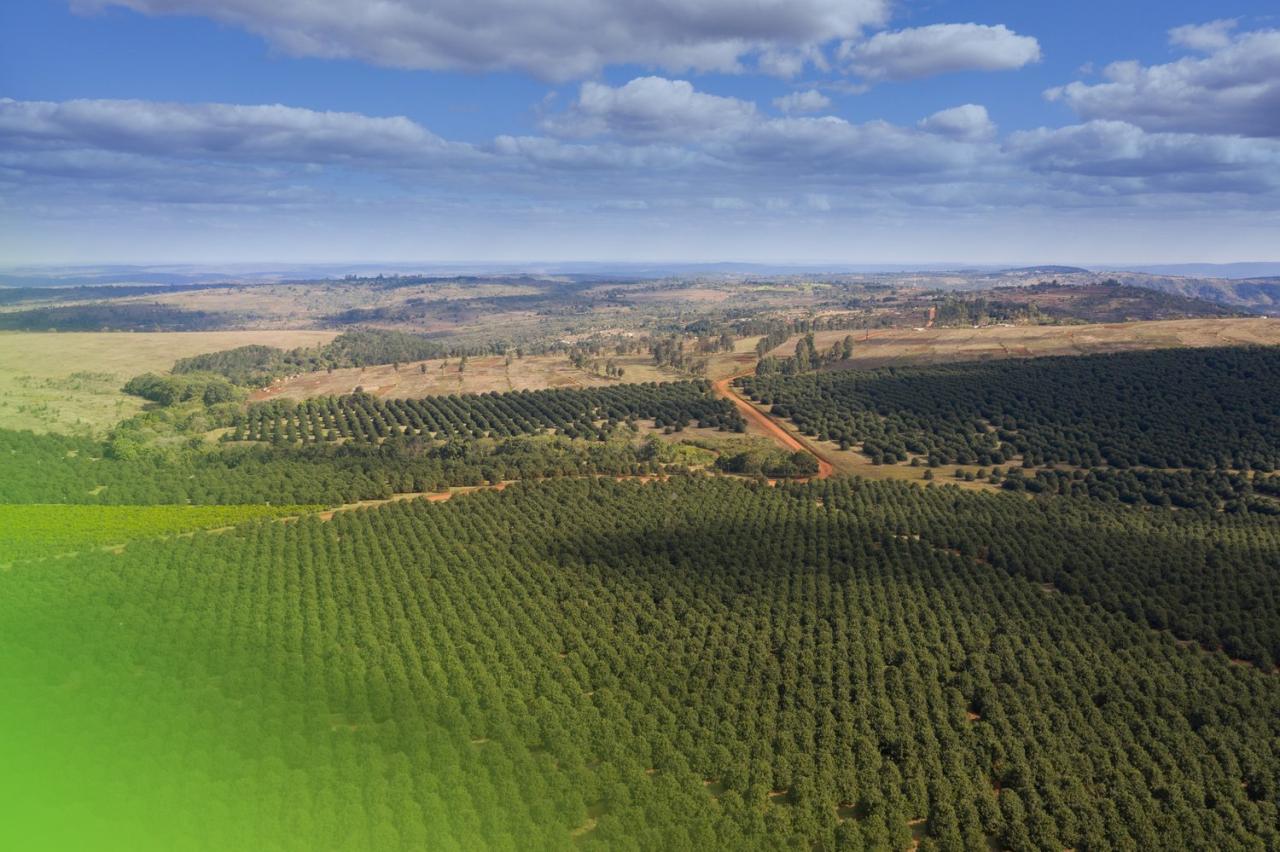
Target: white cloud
{"points": [[220, 131], [969, 121], [650, 108], [810, 100], [553, 39], [1235, 89], [1181, 162], [940, 49], [1209, 37]]}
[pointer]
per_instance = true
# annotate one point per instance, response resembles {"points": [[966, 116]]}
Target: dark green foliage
{"points": [[56, 469], [248, 366], [125, 316], [585, 412], [774, 464], [256, 365], [580, 658], [169, 390], [1201, 408], [377, 346], [1193, 489]]}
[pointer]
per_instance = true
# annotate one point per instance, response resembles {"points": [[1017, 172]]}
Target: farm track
{"points": [[724, 388]]}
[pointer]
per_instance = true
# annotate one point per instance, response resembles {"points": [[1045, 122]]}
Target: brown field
{"points": [[70, 381], [442, 377], [884, 347], [297, 305]]}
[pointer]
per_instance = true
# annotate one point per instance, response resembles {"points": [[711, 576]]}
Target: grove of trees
{"points": [[1173, 408], [576, 412], [690, 664]]}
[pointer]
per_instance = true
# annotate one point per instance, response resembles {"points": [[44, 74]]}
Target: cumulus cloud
{"points": [[650, 108], [1234, 89], [1209, 37], [940, 49], [550, 38], [969, 121], [1161, 161], [220, 131], [810, 100]]}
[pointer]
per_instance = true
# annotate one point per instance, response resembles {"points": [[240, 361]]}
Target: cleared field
{"points": [[884, 347], [70, 382], [441, 376]]}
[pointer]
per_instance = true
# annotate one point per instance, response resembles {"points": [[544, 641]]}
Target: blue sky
{"points": [[775, 130]]}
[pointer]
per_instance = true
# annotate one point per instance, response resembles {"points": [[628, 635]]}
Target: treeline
{"points": [[672, 352], [575, 412], [58, 469], [807, 357], [169, 390], [691, 664], [1176, 408], [124, 316], [978, 310], [257, 365], [1214, 491]]}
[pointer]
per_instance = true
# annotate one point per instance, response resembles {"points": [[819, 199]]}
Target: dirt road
{"points": [[724, 387]]}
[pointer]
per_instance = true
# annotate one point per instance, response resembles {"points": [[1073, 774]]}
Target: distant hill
{"points": [[1257, 295], [1231, 271], [1044, 270]]}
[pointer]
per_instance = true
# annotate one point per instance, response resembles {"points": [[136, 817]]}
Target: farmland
{"points": [[414, 582], [72, 381], [658, 664]]}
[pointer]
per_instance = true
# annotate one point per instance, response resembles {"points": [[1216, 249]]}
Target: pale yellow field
{"points": [[70, 381], [491, 373], [880, 347]]}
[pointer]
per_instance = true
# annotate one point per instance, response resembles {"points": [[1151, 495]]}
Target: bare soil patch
{"points": [[894, 346]]}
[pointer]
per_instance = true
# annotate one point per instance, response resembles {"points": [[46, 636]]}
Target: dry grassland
{"points": [[70, 381]]}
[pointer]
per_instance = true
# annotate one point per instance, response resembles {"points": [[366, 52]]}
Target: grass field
{"points": [[70, 382], [493, 373], [885, 347], [43, 530]]}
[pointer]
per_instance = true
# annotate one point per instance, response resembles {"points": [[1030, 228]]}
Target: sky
{"points": [[779, 131]]}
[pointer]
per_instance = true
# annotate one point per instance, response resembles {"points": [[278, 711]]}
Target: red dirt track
{"points": [[724, 387]]}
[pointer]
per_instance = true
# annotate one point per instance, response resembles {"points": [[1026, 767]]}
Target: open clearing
{"points": [[892, 346], [441, 376], [70, 381]]}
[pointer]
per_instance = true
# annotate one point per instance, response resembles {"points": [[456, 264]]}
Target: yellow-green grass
{"points": [[70, 381], [41, 530]]}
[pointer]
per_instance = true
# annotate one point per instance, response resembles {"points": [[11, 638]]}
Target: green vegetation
{"points": [[1217, 491], [37, 530], [698, 663], [113, 316], [589, 412], [1207, 408], [255, 365], [807, 357], [57, 469], [170, 390]]}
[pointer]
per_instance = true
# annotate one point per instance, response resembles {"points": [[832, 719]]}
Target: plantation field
{"points": [[71, 381], [886, 347], [441, 376], [691, 663], [39, 530], [1120, 410]]}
